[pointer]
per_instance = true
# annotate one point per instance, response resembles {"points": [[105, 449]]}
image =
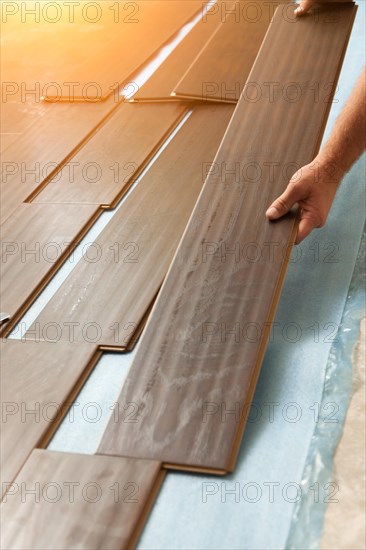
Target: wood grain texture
{"points": [[138, 244], [38, 381], [161, 84], [221, 69], [86, 51], [201, 351], [49, 134], [106, 166], [84, 502], [35, 241]]}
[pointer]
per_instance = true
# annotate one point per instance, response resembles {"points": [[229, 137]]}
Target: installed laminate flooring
{"points": [[161, 84], [109, 163], [38, 139], [135, 249], [38, 382], [85, 51], [222, 67], [34, 242], [202, 349], [81, 501]]}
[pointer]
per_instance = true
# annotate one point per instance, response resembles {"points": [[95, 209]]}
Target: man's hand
{"points": [[306, 5], [313, 187]]}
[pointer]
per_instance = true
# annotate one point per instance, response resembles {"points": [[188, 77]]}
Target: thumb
{"points": [[304, 7], [285, 202]]}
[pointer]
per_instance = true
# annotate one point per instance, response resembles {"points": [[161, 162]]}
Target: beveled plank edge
{"points": [[201, 99], [126, 79], [194, 469], [176, 467], [68, 400], [154, 491], [8, 326], [277, 294], [134, 338], [167, 99], [262, 349]]}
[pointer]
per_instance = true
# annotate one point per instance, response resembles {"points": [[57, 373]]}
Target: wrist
{"points": [[330, 170]]}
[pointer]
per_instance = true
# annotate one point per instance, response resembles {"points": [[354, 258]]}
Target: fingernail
{"points": [[298, 10], [272, 212]]}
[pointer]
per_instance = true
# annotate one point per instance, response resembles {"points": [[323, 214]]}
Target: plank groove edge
{"points": [[7, 327], [35, 375]]}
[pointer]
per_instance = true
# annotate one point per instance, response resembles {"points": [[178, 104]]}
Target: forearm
{"points": [[348, 138]]}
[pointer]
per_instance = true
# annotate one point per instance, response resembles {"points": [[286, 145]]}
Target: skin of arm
{"points": [[314, 186]]}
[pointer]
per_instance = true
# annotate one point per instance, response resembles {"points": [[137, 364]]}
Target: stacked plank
{"points": [[175, 227]]}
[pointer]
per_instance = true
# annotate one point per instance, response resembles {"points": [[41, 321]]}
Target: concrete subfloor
{"points": [[350, 468]]}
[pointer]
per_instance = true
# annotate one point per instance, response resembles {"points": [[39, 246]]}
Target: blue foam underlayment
{"points": [[196, 511], [340, 379]]}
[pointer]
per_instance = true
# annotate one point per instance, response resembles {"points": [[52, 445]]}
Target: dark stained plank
{"points": [[38, 382], [221, 69], [85, 501], [87, 51], [35, 241], [202, 349], [105, 167], [138, 244], [161, 84]]}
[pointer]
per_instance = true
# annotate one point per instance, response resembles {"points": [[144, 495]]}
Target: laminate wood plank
{"points": [[161, 84], [222, 67], [46, 135], [76, 57], [108, 164], [85, 501], [138, 244], [39, 380], [197, 364], [35, 241]]}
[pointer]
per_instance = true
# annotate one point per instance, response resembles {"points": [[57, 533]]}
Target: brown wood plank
{"points": [[76, 57], [201, 351], [85, 501], [107, 165], [138, 244], [35, 241], [222, 67], [46, 136], [161, 84], [34, 377]]}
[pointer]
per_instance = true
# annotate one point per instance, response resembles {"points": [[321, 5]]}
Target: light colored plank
{"points": [[197, 364], [107, 165], [38, 382], [34, 242], [96, 55], [138, 244], [83, 501], [220, 70]]}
